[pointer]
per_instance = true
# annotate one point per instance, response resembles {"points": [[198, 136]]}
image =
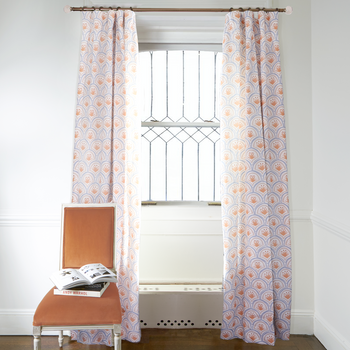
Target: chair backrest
{"points": [[88, 235]]}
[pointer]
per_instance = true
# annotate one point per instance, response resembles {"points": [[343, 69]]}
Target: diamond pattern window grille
{"points": [[180, 128]]}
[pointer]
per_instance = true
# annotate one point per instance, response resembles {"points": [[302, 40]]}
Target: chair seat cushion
{"points": [[63, 310]]}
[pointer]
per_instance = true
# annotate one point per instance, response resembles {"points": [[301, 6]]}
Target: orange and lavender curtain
{"points": [[255, 211], [107, 143]]}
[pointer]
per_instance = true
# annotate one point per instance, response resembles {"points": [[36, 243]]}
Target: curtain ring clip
{"points": [[131, 9], [100, 8], [240, 9], [231, 9]]}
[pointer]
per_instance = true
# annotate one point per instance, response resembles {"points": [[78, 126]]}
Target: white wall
{"points": [[331, 125], [39, 63]]}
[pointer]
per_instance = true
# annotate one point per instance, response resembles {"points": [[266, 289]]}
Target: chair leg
{"points": [[60, 338], [37, 338], [117, 337]]}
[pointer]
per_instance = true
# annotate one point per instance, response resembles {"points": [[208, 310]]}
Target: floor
{"points": [[168, 339]]}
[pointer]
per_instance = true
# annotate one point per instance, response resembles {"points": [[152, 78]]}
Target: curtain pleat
{"points": [[107, 148], [255, 209]]}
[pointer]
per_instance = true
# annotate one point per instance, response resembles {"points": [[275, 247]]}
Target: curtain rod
{"points": [[288, 10]]}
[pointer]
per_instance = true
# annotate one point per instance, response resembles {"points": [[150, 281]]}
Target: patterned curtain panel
{"points": [[107, 141], [255, 210]]}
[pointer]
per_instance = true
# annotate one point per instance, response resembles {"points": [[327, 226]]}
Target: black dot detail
{"points": [[206, 324], [213, 324], [189, 321], [175, 321], [161, 321], [182, 320], [185, 324], [179, 324], [164, 324], [216, 321], [192, 324], [209, 321], [171, 324], [168, 320], [219, 324], [141, 321], [145, 324], [158, 324]]}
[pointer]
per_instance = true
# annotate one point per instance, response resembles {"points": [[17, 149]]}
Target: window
{"points": [[180, 125]]}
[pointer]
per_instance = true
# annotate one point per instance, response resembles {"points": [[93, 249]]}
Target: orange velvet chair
{"points": [[87, 236]]}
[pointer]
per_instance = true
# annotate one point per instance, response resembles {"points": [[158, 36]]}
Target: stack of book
{"points": [[89, 281]]}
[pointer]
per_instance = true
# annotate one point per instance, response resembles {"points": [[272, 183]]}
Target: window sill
{"points": [[181, 203]]}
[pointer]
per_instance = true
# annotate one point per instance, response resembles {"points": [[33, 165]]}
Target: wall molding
{"points": [[331, 225], [328, 336], [55, 221], [300, 215], [30, 221]]}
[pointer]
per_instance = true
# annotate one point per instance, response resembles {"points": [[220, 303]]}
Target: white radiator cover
{"points": [[181, 306]]}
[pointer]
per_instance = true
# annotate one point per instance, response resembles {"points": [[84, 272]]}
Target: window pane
{"points": [[207, 85], [191, 86], [159, 85], [158, 169], [175, 86], [144, 86], [174, 170]]}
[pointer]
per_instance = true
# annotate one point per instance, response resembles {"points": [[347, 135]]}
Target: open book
{"points": [[87, 274]]}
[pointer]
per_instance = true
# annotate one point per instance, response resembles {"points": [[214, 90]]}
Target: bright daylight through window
{"points": [[178, 91]]}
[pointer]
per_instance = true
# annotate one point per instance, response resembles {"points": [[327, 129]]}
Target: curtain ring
{"points": [[111, 8], [248, 8], [240, 9], [118, 8], [131, 9], [231, 9], [83, 9], [277, 9], [100, 8]]}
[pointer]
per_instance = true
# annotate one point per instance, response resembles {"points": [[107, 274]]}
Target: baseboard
{"points": [[302, 322], [19, 321], [328, 336]]}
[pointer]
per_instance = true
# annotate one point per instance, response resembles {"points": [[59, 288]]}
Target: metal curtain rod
{"points": [[288, 10]]}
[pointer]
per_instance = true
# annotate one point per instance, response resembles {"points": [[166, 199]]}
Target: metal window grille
{"points": [[180, 126]]}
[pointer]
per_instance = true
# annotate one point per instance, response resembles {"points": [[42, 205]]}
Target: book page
{"points": [[67, 278], [94, 272]]}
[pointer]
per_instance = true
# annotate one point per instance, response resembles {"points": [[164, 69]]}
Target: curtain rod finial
{"points": [[66, 9], [289, 10]]}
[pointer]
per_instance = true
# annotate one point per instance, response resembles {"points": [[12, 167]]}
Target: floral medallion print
{"points": [[257, 244], [107, 148]]}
